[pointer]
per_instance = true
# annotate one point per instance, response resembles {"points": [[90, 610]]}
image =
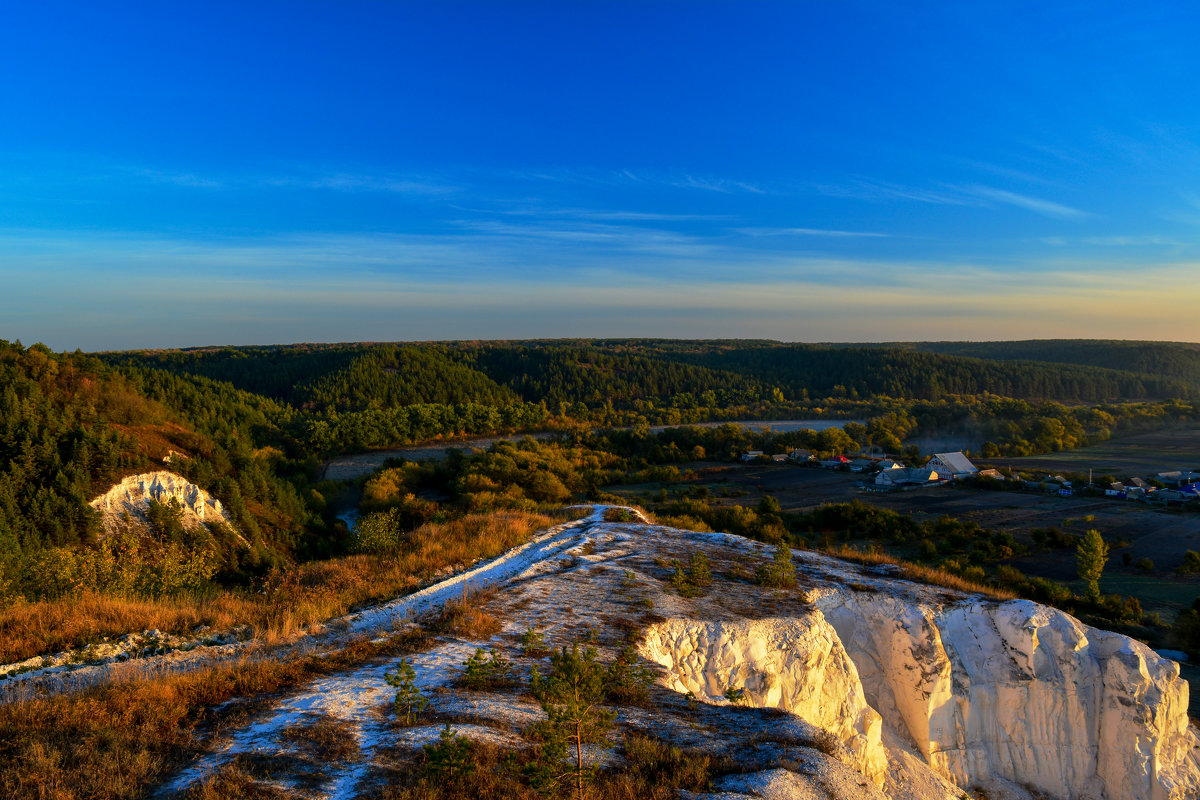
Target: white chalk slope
{"points": [[892, 689]]}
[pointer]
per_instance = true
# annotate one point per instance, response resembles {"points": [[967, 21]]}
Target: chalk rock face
{"points": [[793, 664], [132, 496], [1017, 692]]}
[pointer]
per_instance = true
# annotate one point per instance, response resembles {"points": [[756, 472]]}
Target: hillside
{"points": [[71, 427], [1176, 360], [710, 374], [831, 680]]}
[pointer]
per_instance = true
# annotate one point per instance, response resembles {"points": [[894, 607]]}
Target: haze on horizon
{"points": [[218, 173]]}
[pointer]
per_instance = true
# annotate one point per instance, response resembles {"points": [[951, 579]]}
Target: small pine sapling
{"points": [[780, 573], [533, 643], [449, 760], [629, 678], [410, 700], [485, 669], [736, 695], [571, 695]]}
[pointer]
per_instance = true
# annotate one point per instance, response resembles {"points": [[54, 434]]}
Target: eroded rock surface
{"points": [[131, 497]]}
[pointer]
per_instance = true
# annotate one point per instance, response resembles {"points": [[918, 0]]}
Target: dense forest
{"points": [[1176, 360]]}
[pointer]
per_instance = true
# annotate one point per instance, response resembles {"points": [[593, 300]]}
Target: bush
{"points": [[485, 671], [692, 581], [629, 679], [449, 761], [780, 573]]}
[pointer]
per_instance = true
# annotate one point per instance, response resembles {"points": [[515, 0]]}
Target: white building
{"points": [[953, 465]]}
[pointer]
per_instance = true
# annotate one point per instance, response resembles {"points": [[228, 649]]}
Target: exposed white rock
{"points": [[794, 664], [1015, 692], [133, 494]]}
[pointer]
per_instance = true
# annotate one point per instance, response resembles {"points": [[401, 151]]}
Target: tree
{"points": [[1090, 558], [571, 695], [410, 700], [780, 574]]}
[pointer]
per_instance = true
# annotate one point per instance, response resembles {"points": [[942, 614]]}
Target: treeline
{"points": [[814, 371], [1178, 360], [586, 379]]}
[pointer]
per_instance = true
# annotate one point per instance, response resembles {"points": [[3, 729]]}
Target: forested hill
{"points": [[857, 371], [1177, 360], [70, 426], [629, 373]]}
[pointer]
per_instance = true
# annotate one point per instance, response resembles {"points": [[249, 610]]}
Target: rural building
{"points": [[953, 465], [889, 463], [799, 454], [750, 455], [779, 457], [837, 462], [908, 476]]}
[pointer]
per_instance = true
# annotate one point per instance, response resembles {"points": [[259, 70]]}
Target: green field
{"points": [[1143, 454]]}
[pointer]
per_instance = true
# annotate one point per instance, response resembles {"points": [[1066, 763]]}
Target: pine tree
{"points": [[1090, 558], [571, 696], [410, 700]]}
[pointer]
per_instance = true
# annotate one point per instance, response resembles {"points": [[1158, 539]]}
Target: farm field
{"points": [[1161, 535], [1142, 454]]}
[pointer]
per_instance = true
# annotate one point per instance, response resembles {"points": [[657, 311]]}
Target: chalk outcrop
{"points": [[794, 664], [132, 497], [1018, 693]]}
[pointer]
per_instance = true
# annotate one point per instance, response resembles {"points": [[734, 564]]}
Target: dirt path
{"points": [[375, 619]]}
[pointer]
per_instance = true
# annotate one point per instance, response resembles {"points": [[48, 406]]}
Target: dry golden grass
{"points": [[653, 770], [921, 573], [464, 616], [111, 742], [324, 739], [306, 595]]}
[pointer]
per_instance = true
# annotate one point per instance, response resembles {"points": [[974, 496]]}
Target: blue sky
{"points": [[189, 174]]}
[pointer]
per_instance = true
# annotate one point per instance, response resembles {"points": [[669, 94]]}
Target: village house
{"points": [[751, 455], [953, 465], [907, 476]]}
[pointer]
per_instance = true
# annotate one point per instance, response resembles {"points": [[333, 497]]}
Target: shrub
{"points": [[692, 581], [1144, 565], [1191, 563], [449, 761], [533, 643], [780, 573], [485, 671], [629, 679]]}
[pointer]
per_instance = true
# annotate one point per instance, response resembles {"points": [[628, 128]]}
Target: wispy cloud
{"points": [[1046, 208], [184, 179], [832, 234], [599, 214], [880, 191]]}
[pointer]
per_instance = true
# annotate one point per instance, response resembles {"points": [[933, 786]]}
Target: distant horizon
{"points": [[556, 339], [411, 171]]}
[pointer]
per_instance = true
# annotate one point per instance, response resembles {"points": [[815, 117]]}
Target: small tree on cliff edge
{"points": [[1090, 558], [571, 695]]}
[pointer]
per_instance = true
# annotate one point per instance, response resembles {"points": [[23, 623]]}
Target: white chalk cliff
{"points": [[1014, 698], [133, 494]]}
